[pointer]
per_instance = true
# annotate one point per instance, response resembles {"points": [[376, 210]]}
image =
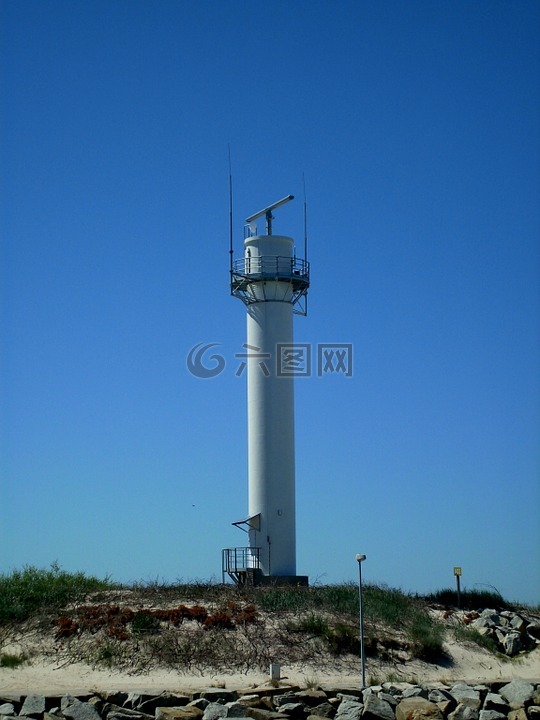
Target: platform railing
{"points": [[271, 266], [240, 562]]}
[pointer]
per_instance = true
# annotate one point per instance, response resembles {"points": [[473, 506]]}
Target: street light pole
{"points": [[360, 559]]}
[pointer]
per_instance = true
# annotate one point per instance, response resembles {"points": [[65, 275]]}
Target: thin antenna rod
{"points": [[230, 214], [305, 238], [305, 218]]}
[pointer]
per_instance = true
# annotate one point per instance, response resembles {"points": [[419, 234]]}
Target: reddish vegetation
{"points": [[114, 619]]}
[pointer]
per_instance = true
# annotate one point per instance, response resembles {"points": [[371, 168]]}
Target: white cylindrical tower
{"points": [[271, 281], [270, 399]]}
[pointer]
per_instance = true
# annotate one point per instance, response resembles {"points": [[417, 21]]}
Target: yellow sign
{"points": [[457, 571]]}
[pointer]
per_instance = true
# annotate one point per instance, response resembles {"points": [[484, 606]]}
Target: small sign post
{"points": [[457, 573]]}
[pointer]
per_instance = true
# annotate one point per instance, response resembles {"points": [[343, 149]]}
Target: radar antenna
{"points": [[267, 211]]}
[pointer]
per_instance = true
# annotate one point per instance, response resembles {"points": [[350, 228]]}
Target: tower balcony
{"points": [[247, 271]]}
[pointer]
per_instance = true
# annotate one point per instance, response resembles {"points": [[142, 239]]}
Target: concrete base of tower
{"points": [[261, 580]]}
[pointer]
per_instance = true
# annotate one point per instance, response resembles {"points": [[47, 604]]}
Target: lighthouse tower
{"points": [[272, 282]]}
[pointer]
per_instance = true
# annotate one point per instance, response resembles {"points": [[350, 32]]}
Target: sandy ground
{"points": [[466, 663]]}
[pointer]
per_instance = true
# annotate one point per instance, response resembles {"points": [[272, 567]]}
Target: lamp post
{"points": [[360, 559]]}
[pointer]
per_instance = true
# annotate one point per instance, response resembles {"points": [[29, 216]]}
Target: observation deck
{"points": [[249, 274]]}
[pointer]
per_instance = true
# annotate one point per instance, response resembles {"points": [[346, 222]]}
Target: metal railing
{"points": [[271, 266], [237, 562]]}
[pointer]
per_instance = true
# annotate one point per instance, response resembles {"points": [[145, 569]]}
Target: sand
{"points": [[466, 663]]}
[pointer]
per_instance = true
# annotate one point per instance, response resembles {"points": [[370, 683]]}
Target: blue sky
{"points": [[417, 128]]}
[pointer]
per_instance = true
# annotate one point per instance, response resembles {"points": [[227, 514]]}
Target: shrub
{"points": [[27, 591], [8, 660], [144, 621], [219, 620]]}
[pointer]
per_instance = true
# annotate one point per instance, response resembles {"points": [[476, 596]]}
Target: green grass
{"points": [[470, 599], [26, 592], [8, 660]]}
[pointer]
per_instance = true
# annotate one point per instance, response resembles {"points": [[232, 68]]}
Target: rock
{"points": [[7, 709], [463, 712], [178, 713], [349, 710], [201, 703], [235, 709], [81, 711], [260, 714], [149, 704], [533, 629], [418, 708], [311, 698], [416, 691], [325, 709], [214, 711], [512, 643], [519, 624], [390, 699], [494, 701], [533, 713], [442, 698], [518, 693], [466, 695], [287, 697], [219, 695], [33, 706], [491, 715], [518, 714], [294, 710], [377, 709]]}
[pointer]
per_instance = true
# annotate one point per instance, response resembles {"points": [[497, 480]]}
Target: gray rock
{"points": [[416, 691], [418, 708], [463, 712], [219, 695], [349, 710], [284, 699], [465, 695], [491, 715], [512, 643], [166, 699], [234, 709], [261, 714], [33, 706], [390, 699], [311, 697], [533, 629], [519, 624], [178, 713], [494, 701], [200, 703], [294, 710], [377, 709], [518, 693], [214, 711], [81, 711], [325, 709], [437, 695], [7, 709]]}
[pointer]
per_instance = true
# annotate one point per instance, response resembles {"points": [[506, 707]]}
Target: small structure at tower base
{"points": [[241, 565]]}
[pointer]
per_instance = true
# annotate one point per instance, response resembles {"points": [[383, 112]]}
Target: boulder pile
{"points": [[515, 700], [511, 631]]}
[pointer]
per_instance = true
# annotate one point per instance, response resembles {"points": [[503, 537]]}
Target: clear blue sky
{"points": [[417, 126]]}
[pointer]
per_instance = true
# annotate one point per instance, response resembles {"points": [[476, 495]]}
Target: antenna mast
{"points": [[230, 215]]}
